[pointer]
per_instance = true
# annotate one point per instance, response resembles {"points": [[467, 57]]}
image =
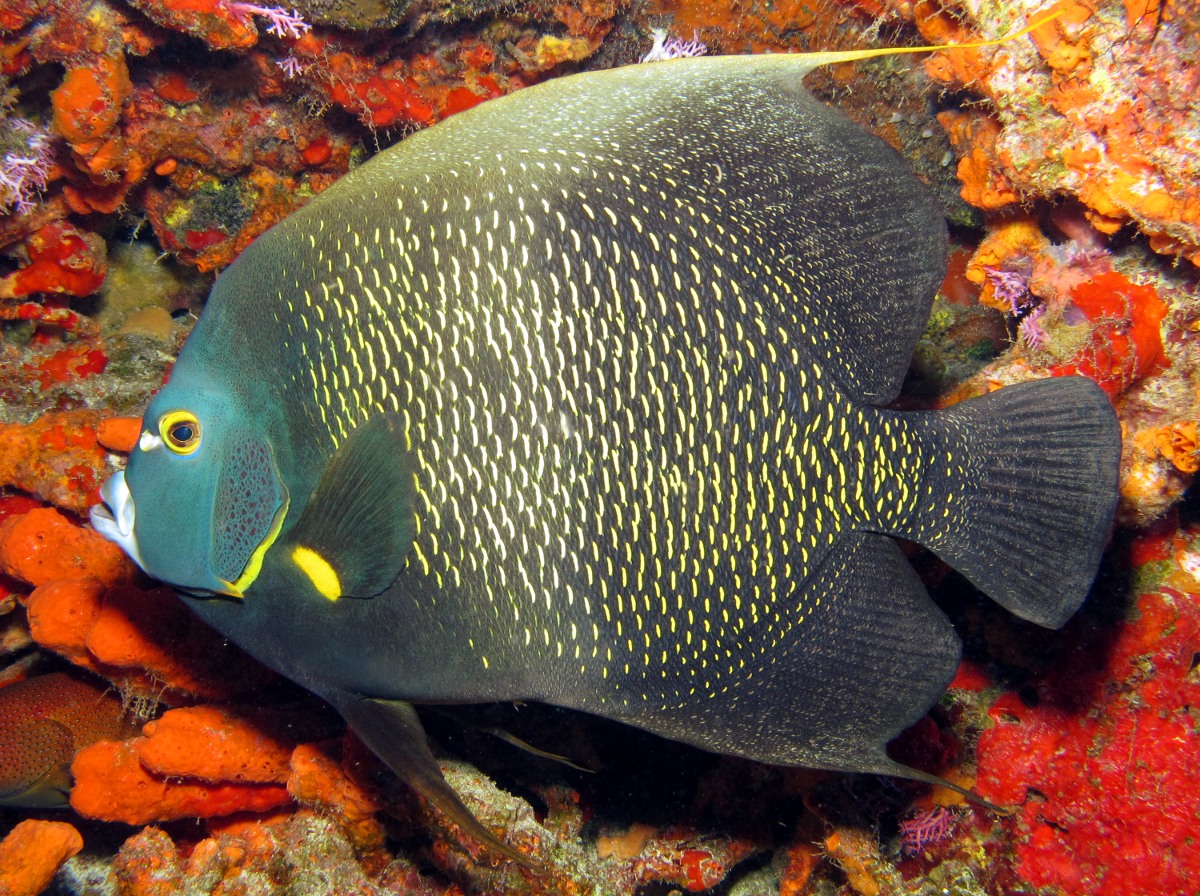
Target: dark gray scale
{"points": [[603, 358]]}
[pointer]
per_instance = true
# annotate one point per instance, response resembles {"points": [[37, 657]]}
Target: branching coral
{"points": [[26, 160]]}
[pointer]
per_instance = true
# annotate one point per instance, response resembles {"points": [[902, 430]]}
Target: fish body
{"points": [[44, 722], [578, 397]]}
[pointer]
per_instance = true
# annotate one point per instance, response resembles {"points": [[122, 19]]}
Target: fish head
{"points": [[202, 498]]}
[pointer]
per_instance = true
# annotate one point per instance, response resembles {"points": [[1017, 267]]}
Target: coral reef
{"points": [[145, 143], [213, 156], [1100, 762], [112, 783], [141, 639], [59, 457], [1095, 106], [44, 546], [302, 854]]}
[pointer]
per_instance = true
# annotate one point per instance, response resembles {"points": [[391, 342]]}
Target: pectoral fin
{"points": [[392, 730], [359, 523]]}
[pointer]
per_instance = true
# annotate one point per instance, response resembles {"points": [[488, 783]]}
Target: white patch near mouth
{"points": [[114, 518]]}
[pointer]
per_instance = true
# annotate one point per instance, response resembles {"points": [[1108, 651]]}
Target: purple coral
{"points": [[673, 47], [291, 66], [927, 827], [1011, 287], [24, 171], [280, 22], [1027, 309], [1029, 329]]}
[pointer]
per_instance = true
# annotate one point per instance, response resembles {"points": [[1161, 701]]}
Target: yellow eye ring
{"points": [[180, 431]]}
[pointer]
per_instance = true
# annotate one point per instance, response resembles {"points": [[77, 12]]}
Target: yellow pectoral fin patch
{"points": [[319, 572]]}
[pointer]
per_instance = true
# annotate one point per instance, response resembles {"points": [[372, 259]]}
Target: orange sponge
{"points": [[44, 545], [111, 784], [32, 853]]}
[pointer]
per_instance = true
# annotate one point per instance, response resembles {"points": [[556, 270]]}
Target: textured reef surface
{"points": [[144, 143]]}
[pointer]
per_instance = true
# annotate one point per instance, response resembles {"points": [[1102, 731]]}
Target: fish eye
{"points": [[180, 431]]}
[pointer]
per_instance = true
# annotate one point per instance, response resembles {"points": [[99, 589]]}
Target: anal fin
{"points": [[863, 654], [391, 729], [359, 522]]}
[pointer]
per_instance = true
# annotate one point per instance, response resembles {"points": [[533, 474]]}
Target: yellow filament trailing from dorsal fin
{"points": [[815, 60]]}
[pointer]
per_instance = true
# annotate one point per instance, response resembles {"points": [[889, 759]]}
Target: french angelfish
{"points": [[579, 397]]}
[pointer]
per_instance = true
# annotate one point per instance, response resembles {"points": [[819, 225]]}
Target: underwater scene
{"points": [[765, 474]]}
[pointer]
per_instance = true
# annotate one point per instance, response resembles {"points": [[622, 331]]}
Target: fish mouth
{"points": [[115, 517]]}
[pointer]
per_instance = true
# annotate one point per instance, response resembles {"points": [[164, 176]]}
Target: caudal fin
{"points": [[1033, 515]]}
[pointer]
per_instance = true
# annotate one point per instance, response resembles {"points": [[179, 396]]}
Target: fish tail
{"points": [[1030, 476]]}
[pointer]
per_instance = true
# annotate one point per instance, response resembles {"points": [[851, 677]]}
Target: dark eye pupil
{"points": [[181, 432]]}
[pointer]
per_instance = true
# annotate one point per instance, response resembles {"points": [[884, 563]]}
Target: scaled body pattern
{"points": [[575, 397]]}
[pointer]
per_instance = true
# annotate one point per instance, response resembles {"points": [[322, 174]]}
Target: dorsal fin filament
{"points": [[835, 57]]}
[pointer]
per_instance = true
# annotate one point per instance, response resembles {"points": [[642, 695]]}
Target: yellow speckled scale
{"points": [[586, 441]]}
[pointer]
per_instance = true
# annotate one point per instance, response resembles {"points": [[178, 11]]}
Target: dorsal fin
{"points": [[722, 174]]}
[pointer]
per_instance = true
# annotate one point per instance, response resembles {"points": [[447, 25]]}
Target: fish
{"points": [[582, 397], [44, 721]]}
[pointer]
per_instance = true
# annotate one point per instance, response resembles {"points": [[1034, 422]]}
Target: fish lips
{"points": [[114, 519]]}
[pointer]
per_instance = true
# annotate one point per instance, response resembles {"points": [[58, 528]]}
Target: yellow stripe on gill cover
{"points": [[254, 564]]}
